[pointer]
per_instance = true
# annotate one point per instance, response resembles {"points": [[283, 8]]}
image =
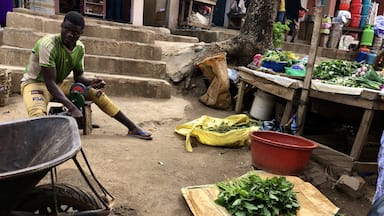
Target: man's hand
{"points": [[75, 112], [98, 83]]}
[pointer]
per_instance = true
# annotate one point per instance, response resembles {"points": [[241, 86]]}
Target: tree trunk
{"points": [[255, 34]]}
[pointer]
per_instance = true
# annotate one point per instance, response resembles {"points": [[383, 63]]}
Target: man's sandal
{"points": [[141, 134]]}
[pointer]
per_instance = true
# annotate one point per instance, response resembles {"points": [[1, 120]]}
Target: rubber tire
{"points": [[41, 199]]}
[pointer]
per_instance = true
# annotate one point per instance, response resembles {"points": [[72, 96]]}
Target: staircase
{"points": [[125, 56]]}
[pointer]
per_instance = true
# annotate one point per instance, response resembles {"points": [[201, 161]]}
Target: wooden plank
{"points": [[351, 100], [365, 167], [240, 97], [369, 95], [200, 199], [288, 110], [87, 118], [268, 86], [361, 136], [337, 163], [301, 112]]}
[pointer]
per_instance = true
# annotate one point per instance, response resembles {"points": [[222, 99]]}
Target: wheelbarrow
{"points": [[32, 148]]}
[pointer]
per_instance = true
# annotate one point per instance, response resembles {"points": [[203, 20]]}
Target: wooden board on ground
{"points": [[200, 199]]}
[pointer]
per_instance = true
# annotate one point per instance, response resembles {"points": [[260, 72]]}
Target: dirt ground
{"points": [[146, 177]]}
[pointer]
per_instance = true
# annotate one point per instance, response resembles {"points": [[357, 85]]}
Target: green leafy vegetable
{"points": [[350, 74], [251, 195], [330, 69], [225, 127], [279, 29], [279, 56]]}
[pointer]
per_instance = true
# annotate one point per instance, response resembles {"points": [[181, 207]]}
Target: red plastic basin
{"points": [[280, 153]]}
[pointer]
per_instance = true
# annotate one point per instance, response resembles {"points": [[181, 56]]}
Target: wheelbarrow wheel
{"points": [[69, 199]]}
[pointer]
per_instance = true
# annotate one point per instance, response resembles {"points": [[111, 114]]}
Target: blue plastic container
{"points": [[363, 21], [371, 57], [275, 66], [365, 9], [365, 2], [362, 56]]}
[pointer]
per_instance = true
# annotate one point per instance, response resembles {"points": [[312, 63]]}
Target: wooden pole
{"points": [[301, 112]]}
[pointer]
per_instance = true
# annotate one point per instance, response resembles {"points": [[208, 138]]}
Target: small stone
{"points": [[352, 185]]}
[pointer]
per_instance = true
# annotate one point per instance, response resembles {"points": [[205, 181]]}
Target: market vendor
{"points": [[52, 59]]}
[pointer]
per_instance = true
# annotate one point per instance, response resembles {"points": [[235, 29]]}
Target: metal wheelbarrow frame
{"points": [[31, 148]]}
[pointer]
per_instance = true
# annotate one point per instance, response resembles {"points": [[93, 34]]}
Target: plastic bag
{"points": [[379, 26], [199, 128]]}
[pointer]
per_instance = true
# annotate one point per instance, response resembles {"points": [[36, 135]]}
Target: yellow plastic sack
{"points": [[198, 128]]}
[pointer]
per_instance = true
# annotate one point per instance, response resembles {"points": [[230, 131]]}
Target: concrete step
{"points": [[208, 36], [17, 56], [51, 24], [161, 33], [26, 38], [117, 85], [176, 38]]}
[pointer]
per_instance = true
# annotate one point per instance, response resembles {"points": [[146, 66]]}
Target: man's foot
{"points": [[141, 134]]}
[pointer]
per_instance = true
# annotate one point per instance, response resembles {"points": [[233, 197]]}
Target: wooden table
{"points": [[369, 101], [288, 93]]}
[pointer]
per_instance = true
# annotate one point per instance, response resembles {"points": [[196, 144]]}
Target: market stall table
{"points": [[368, 100], [283, 87], [287, 88]]}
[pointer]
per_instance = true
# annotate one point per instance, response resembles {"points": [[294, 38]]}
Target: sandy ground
{"points": [[146, 177]]}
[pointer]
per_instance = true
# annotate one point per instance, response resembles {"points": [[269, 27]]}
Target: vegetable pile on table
{"points": [[251, 195], [350, 74], [279, 56]]}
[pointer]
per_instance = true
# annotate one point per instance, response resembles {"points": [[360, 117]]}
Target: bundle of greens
{"points": [[350, 74], [335, 68], [279, 29], [251, 195], [225, 127], [279, 56]]}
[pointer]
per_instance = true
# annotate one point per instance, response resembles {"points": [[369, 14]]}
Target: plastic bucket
{"points": [[280, 153], [362, 56], [263, 106], [355, 21], [356, 8], [365, 9], [371, 58], [344, 6], [363, 21]]}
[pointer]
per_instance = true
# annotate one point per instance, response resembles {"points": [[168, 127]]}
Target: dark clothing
{"points": [[114, 10], [292, 8]]}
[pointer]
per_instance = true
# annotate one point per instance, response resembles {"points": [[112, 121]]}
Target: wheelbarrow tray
{"points": [[29, 149]]}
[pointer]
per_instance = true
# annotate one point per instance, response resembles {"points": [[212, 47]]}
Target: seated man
{"points": [[52, 59]]}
